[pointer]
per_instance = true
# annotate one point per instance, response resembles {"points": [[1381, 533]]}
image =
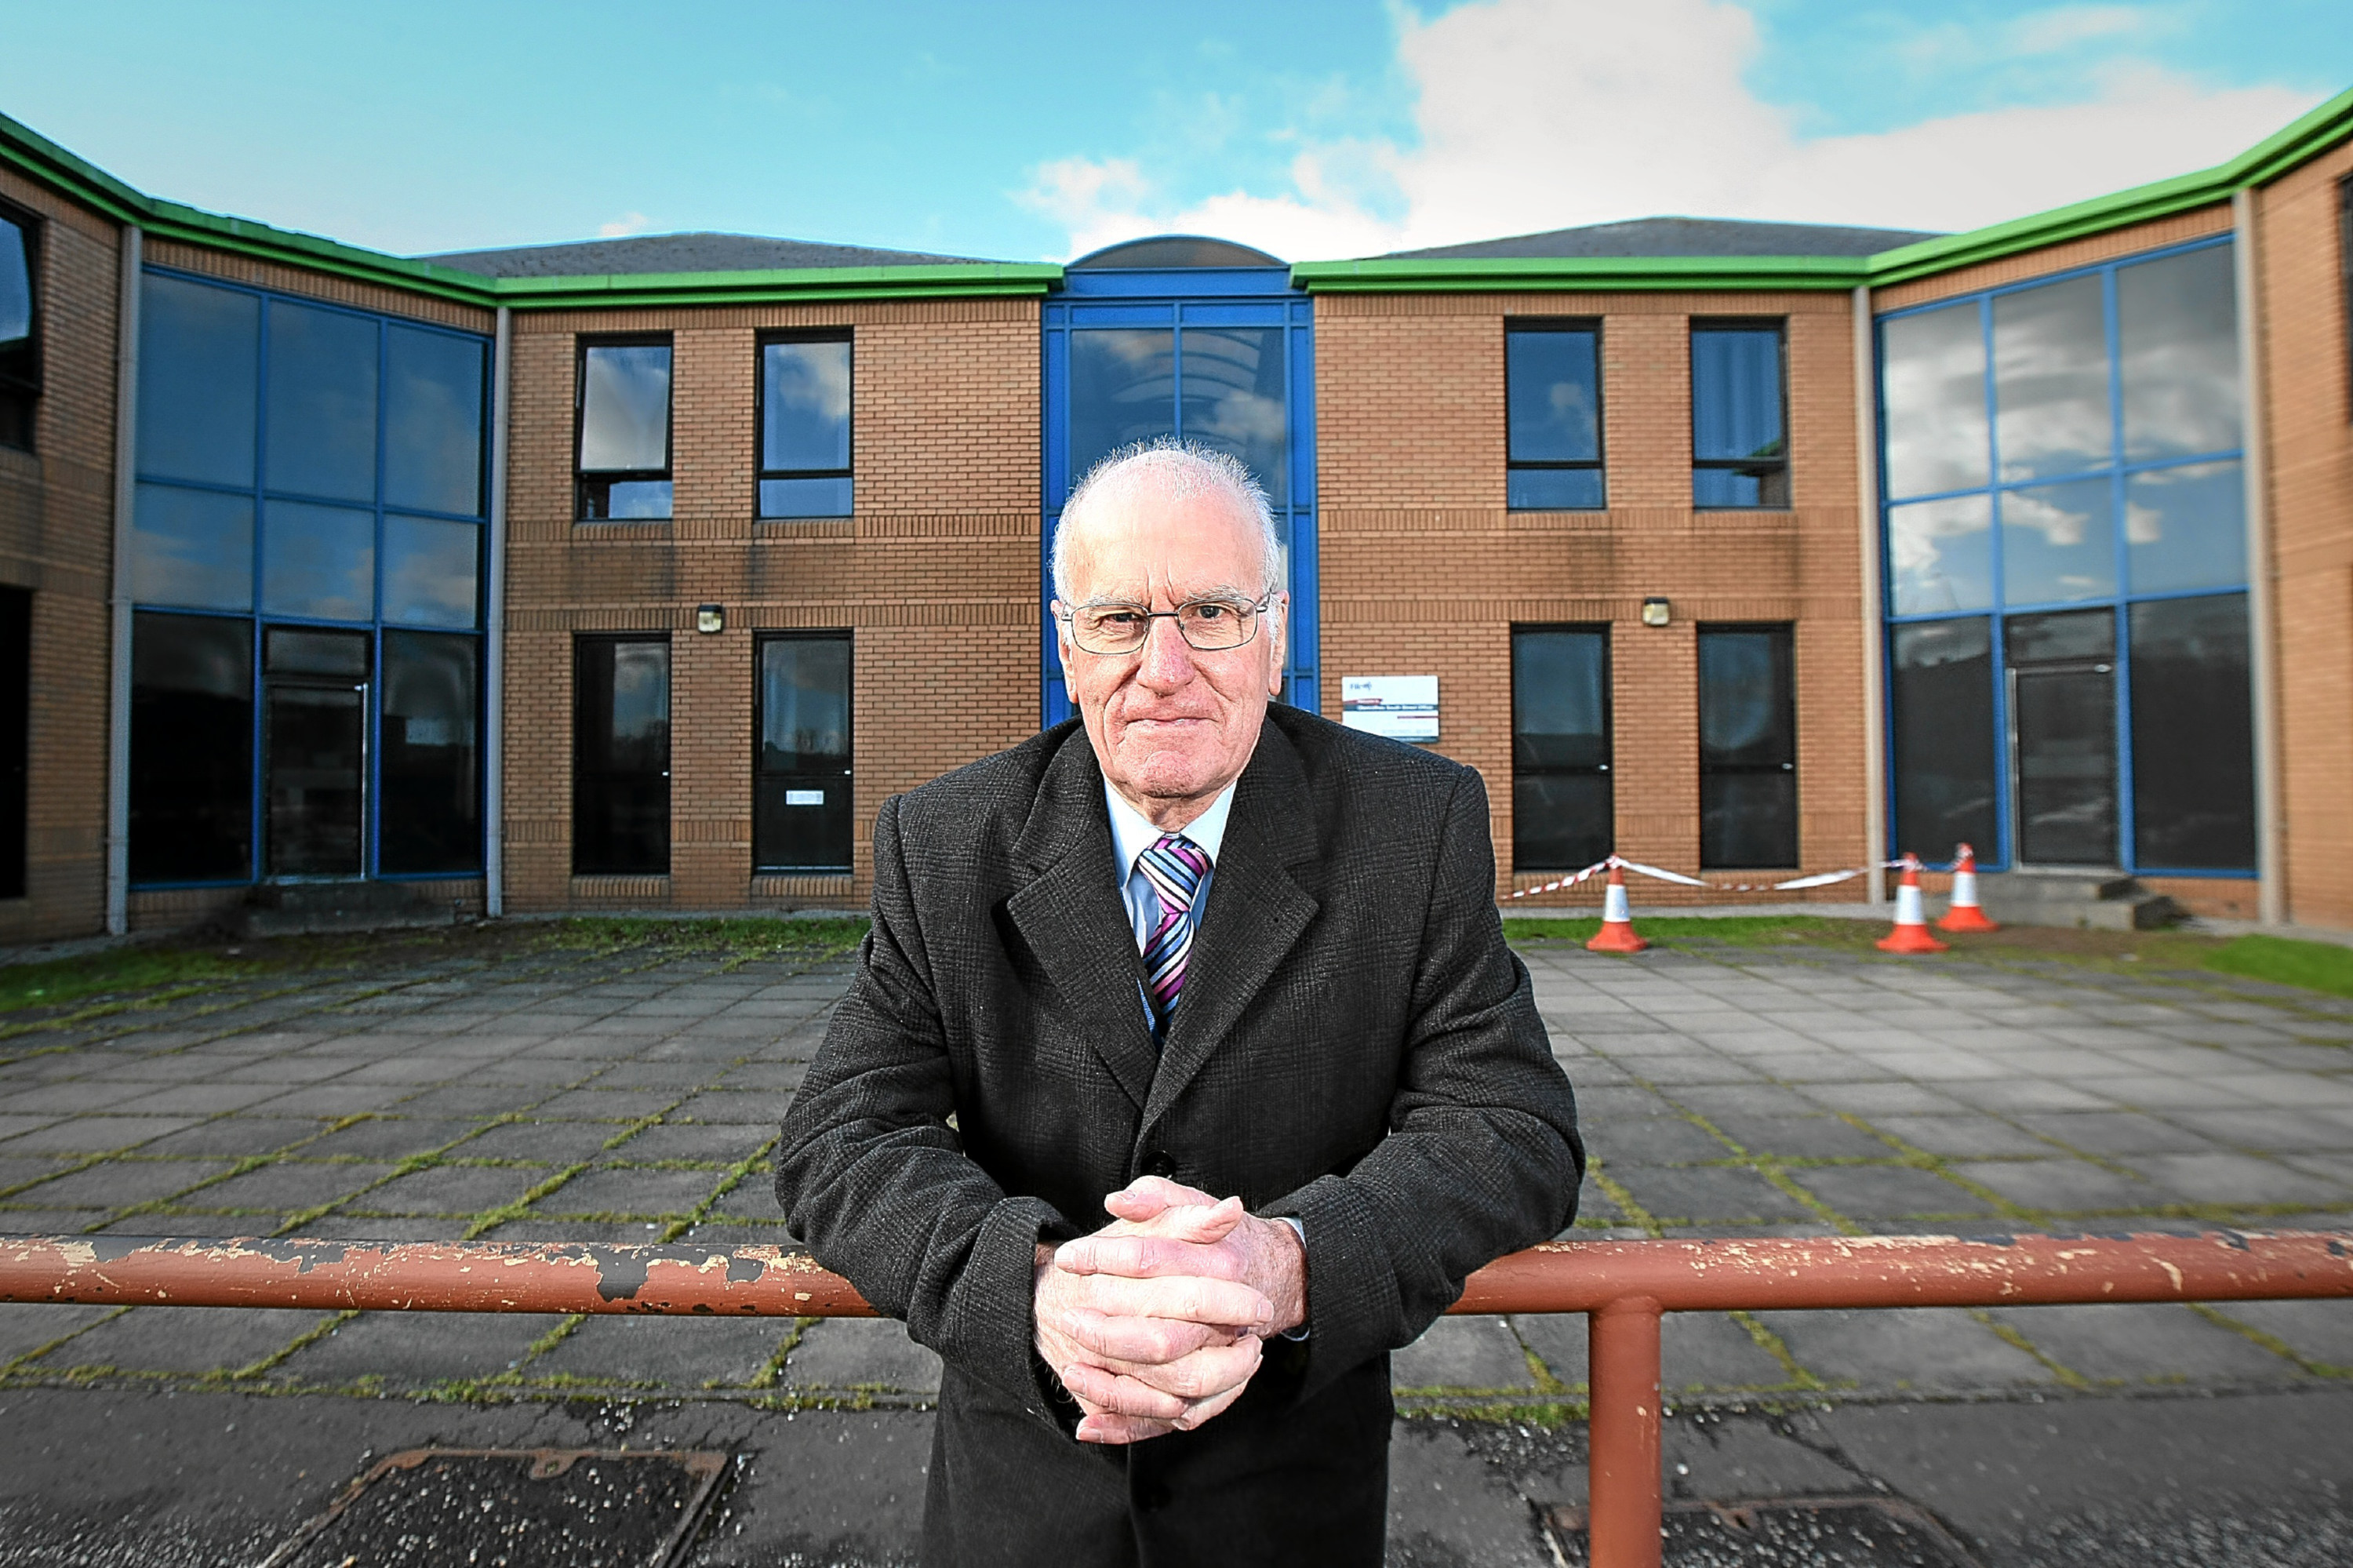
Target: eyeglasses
{"points": [[1207, 625]]}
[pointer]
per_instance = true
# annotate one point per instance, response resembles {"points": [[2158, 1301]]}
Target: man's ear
{"points": [[1062, 642], [1278, 630]]}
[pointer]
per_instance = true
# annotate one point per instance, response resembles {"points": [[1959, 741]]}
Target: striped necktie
{"points": [[1175, 866]]}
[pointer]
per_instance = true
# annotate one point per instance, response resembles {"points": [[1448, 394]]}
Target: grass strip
{"points": [[52, 982], [2283, 960], [1679, 930]]}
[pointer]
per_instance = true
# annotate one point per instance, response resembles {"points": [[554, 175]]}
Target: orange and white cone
{"points": [[1617, 933], [1966, 915], [1911, 933]]}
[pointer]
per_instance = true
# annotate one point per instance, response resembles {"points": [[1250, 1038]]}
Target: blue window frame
{"points": [[1224, 354], [302, 465], [2067, 451]]}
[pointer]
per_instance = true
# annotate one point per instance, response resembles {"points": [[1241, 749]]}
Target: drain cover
{"points": [[1789, 1532], [510, 1508]]}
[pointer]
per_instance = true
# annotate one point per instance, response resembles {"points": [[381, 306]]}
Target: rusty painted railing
{"points": [[1623, 1287]]}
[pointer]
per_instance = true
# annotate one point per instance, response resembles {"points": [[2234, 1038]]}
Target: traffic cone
{"points": [[1911, 933], [1617, 933], [1966, 915]]}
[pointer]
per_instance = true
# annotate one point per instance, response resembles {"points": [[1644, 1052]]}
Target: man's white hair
{"points": [[1176, 469]]}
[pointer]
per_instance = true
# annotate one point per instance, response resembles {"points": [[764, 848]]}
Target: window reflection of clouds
{"points": [[1942, 553], [806, 405], [2058, 543], [15, 285], [1934, 387], [1123, 389], [2050, 379], [2187, 527], [2177, 352], [1233, 386], [625, 413]]}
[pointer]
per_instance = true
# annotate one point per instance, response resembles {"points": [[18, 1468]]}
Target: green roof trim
{"points": [[42, 160], [1458, 275], [2314, 134]]}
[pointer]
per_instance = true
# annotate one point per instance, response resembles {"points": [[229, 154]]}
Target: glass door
{"points": [[2063, 705], [314, 753]]}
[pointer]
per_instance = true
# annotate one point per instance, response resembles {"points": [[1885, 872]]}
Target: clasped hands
{"points": [[1154, 1323]]}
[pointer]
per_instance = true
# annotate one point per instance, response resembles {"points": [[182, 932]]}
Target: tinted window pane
{"points": [[1552, 396], [625, 409], [199, 352], [1766, 486], [1554, 490], [805, 405], [1560, 699], [1747, 821], [430, 570], [1560, 821], [620, 499], [318, 562], [191, 748], [1744, 717], [1736, 393], [2185, 527], [802, 497], [15, 285], [1941, 553], [430, 813], [1942, 695], [1123, 389], [804, 703], [2178, 353], [314, 751], [2058, 543], [1932, 380], [192, 547], [291, 651], [620, 756], [2077, 636], [320, 437], [2050, 379], [1233, 398], [2193, 735], [433, 393]]}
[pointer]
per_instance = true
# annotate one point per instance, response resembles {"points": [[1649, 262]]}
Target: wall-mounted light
{"points": [[1656, 612], [710, 618]]}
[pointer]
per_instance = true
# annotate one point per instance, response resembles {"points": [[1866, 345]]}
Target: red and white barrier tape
{"points": [[1817, 879]]}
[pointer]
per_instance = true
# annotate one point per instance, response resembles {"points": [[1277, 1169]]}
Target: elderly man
{"points": [[1229, 974]]}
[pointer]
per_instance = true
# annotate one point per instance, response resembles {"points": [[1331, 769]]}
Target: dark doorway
{"points": [[2062, 705], [314, 752], [620, 756], [15, 732]]}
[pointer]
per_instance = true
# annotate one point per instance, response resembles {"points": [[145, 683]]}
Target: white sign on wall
{"points": [[1402, 708]]}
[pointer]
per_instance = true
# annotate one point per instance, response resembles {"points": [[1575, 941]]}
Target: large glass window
{"points": [[1123, 389], [620, 756], [2063, 452], [624, 412], [323, 468], [431, 767], [20, 361], [1740, 448], [1563, 811], [2193, 734], [805, 465], [801, 809], [192, 743], [1552, 397], [1748, 747], [1942, 693]]}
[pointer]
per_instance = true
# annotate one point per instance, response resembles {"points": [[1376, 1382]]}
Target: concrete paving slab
{"points": [[2162, 1344], [1881, 1099], [2064, 1186], [612, 1190], [861, 1352], [119, 1183], [2235, 1179], [450, 1190], [1458, 1354], [1914, 1350], [1694, 1194], [415, 1351], [1963, 1134], [392, 1138], [96, 1134], [2117, 1132], [1801, 1137], [1884, 1192], [188, 1340], [1651, 1139]]}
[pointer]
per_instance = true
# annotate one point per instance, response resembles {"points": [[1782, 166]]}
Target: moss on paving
{"points": [[119, 971]]}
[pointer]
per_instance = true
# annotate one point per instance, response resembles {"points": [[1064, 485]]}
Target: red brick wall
{"points": [[57, 527], [935, 577], [1424, 571], [2309, 468]]}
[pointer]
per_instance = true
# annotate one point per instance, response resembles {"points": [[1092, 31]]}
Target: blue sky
{"points": [[1313, 128]]}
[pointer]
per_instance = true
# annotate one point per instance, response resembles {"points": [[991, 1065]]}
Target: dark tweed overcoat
{"points": [[1355, 1046]]}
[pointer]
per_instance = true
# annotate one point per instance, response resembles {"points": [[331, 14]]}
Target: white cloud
{"points": [[626, 224], [1537, 114]]}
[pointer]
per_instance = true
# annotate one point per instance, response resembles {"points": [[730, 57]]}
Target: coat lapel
{"points": [[1073, 919], [1256, 912]]}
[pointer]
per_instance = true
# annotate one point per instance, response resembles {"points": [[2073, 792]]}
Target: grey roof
{"points": [[644, 253], [1164, 251], [1681, 237]]}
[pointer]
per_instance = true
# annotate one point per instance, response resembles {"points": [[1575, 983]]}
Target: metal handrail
{"points": [[1623, 1287]]}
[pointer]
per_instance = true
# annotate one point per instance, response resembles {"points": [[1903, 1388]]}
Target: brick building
{"points": [[636, 573]]}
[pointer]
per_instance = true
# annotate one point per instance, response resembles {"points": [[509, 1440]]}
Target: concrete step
{"points": [[2086, 900]]}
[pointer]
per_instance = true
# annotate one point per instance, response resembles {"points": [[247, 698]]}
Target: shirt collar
{"points": [[1132, 834]]}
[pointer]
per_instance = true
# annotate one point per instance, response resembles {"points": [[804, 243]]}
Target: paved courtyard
{"points": [[526, 1091]]}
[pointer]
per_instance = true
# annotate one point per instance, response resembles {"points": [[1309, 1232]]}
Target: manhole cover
{"points": [[1791, 1533], [510, 1508]]}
